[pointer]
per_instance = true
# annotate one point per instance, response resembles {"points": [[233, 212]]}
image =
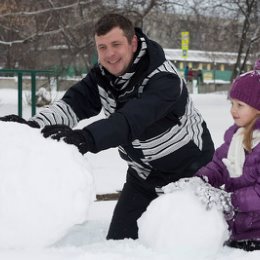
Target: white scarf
{"points": [[236, 152]]}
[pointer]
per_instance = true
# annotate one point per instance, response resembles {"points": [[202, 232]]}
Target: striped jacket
{"points": [[149, 116]]}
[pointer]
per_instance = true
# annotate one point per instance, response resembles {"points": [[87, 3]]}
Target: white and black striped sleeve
{"points": [[57, 113]]}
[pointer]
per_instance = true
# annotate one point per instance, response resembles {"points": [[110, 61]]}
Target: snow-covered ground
{"points": [[87, 240]]}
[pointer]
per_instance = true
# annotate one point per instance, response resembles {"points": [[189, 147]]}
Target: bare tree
{"points": [[31, 29], [248, 34], [52, 33]]}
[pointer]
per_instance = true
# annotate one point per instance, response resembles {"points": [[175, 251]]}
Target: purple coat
{"points": [[245, 189]]}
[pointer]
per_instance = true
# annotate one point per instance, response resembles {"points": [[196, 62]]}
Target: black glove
{"points": [[18, 119], [55, 131], [80, 138]]}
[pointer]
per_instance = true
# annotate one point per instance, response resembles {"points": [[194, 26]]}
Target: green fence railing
{"points": [[20, 74]]}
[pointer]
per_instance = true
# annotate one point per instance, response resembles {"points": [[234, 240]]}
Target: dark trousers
{"points": [[247, 245], [132, 202]]}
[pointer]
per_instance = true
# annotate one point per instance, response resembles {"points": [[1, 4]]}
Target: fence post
{"points": [[20, 94], [33, 92]]}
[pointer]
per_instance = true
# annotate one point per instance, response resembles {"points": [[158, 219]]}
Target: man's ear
{"points": [[135, 43]]}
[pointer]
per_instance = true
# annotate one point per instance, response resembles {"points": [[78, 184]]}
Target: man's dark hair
{"points": [[112, 20]]}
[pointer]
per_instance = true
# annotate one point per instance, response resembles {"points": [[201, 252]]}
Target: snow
{"points": [[202, 235], [87, 240], [45, 188]]}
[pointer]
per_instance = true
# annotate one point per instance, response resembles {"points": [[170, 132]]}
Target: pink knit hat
{"points": [[246, 87]]}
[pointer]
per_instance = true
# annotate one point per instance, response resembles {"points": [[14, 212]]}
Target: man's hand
{"points": [[55, 131], [18, 119], [79, 138]]}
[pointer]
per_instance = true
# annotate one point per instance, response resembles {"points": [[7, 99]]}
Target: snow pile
{"points": [[45, 187], [178, 223]]}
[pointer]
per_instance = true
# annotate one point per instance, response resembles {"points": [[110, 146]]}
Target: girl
{"points": [[236, 163]]}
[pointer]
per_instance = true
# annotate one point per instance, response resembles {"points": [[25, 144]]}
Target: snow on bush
{"points": [[45, 187], [179, 223]]}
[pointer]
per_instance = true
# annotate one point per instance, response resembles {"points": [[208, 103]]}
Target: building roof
{"points": [[202, 56]]}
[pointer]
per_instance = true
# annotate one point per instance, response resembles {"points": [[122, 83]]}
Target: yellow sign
{"points": [[208, 75], [185, 39]]}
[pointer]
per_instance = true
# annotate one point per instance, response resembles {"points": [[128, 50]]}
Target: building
{"points": [[214, 65]]}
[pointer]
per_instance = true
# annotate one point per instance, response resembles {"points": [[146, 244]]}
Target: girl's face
{"points": [[242, 113]]}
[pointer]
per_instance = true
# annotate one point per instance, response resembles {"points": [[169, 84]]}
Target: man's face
{"points": [[115, 53]]}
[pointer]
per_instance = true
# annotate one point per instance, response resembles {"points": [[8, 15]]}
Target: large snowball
{"points": [[45, 187], [177, 222]]}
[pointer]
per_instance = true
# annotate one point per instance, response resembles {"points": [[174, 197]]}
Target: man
{"points": [[150, 117]]}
